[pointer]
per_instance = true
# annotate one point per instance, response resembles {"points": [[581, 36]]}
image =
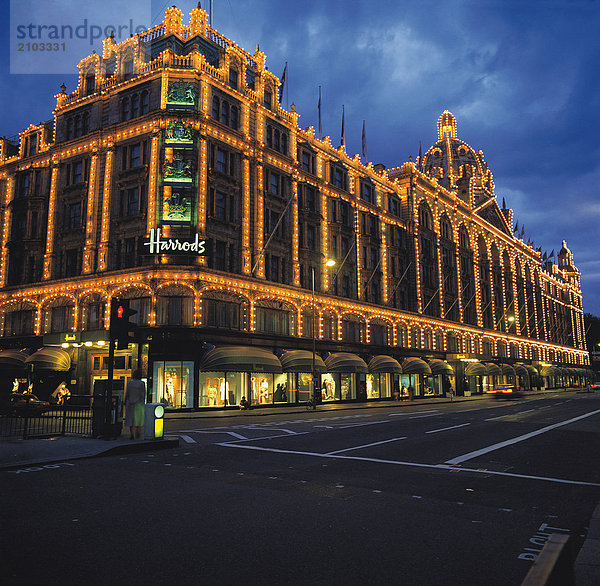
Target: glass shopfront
{"points": [[379, 385], [173, 383]]}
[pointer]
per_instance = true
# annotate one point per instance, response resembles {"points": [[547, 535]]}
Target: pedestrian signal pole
{"points": [[120, 331]]}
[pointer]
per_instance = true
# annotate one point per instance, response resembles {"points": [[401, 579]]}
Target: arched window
{"points": [[216, 108], [379, 332], [463, 237], [223, 310], [425, 218], [235, 119], [175, 306], [140, 301], [445, 228], [275, 317], [93, 307], [59, 315], [18, 319], [135, 105], [353, 328]]}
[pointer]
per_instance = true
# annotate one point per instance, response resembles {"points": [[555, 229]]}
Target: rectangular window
{"points": [[333, 209], [268, 99], [367, 192], [221, 161], [133, 201], [220, 205], [233, 78], [344, 214], [74, 220], [310, 237]]}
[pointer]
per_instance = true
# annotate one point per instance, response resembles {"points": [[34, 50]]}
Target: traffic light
{"points": [[120, 326]]}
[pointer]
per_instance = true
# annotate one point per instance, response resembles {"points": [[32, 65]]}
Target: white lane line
{"points": [[265, 437], [499, 417], [186, 438], [447, 428], [362, 424], [394, 439], [411, 464], [515, 440], [422, 416], [526, 411]]}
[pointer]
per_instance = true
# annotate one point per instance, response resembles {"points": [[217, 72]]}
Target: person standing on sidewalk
{"points": [[451, 393], [135, 399]]}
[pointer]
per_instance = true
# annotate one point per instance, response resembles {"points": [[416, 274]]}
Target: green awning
{"points": [[301, 361], [475, 369], [520, 370], [13, 360], [440, 367], [492, 369], [345, 362], [383, 363], [50, 358], [414, 365], [240, 359], [507, 370], [531, 370], [548, 370]]}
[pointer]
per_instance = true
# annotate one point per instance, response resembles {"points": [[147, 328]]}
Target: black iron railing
{"points": [[59, 420]]}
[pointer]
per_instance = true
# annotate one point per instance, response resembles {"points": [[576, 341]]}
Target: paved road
{"points": [[462, 493]]}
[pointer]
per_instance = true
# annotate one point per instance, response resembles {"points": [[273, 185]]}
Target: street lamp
{"points": [[328, 263]]}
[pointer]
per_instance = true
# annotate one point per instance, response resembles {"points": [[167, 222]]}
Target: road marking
{"points": [[447, 428], [409, 464], [186, 438], [493, 447], [264, 437], [362, 424], [422, 416], [499, 417], [394, 439]]}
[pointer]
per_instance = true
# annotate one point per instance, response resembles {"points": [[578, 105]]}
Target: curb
{"points": [[132, 448], [587, 564]]}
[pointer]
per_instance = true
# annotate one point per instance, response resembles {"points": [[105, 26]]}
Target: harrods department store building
{"points": [[172, 177]]}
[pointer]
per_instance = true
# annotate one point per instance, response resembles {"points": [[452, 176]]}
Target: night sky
{"points": [[521, 78]]}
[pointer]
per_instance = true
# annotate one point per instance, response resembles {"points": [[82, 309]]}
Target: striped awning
{"points": [[240, 359], [50, 358], [531, 370], [440, 366], [345, 362], [13, 359], [507, 370], [414, 365], [475, 369], [301, 361], [492, 369], [383, 363]]}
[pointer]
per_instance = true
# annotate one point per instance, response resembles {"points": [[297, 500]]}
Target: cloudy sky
{"points": [[521, 77]]}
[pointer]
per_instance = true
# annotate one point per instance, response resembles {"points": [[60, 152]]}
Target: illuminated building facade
{"points": [[172, 177]]}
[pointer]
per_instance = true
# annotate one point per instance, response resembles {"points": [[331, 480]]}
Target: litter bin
{"points": [[153, 421]]}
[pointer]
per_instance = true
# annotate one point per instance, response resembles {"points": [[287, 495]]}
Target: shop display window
{"points": [[330, 389], [173, 383], [221, 389]]}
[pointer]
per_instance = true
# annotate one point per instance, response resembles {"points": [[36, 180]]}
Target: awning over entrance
{"points": [[440, 367], [414, 365], [548, 370], [49, 358], [531, 370], [520, 370], [475, 369], [240, 359], [301, 361], [13, 359], [507, 370], [492, 369], [383, 363], [345, 362]]}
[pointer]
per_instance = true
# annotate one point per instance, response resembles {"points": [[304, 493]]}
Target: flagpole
{"points": [[319, 113], [343, 115]]}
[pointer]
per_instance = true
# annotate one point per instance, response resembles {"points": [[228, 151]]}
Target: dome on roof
{"points": [[451, 159]]}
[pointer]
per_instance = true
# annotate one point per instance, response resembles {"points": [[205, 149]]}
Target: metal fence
{"points": [[60, 420]]}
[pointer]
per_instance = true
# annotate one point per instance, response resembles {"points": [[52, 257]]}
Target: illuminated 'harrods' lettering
{"points": [[158, 246]]}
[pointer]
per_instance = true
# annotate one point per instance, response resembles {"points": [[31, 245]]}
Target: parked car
{"points": [[504, 392], [25, 405], [595, 386]]}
